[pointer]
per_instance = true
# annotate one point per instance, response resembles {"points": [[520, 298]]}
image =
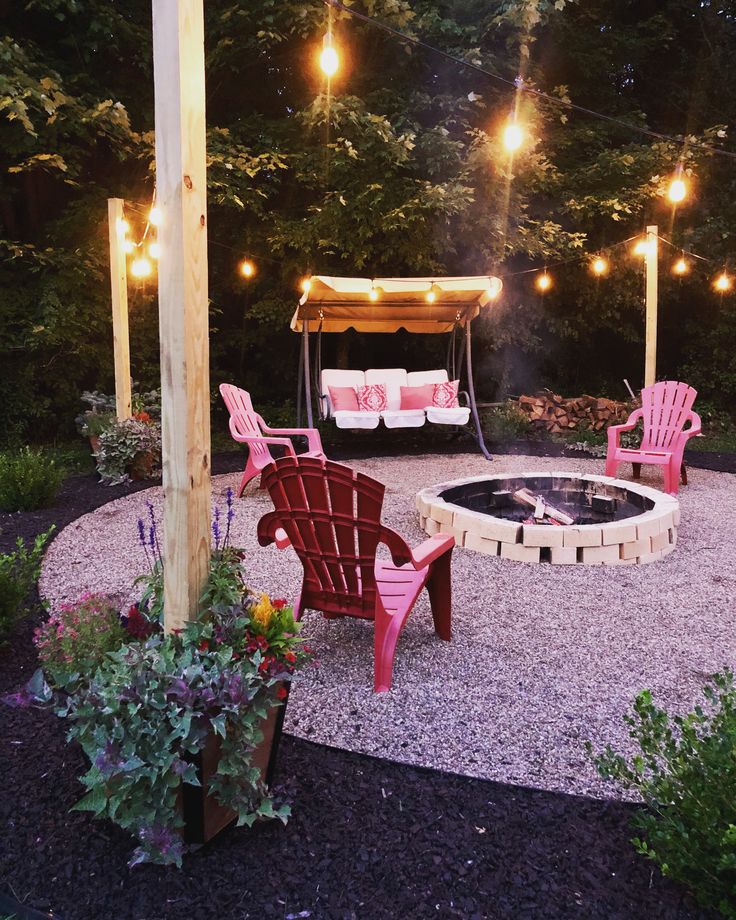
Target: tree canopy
{"points": [[396, 168]]}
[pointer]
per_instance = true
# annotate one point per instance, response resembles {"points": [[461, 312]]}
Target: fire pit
{"points": [[563, 518]]}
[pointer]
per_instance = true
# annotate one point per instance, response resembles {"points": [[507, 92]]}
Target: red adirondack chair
{"points": [[247, 427], [666, 409], [332, 518]]}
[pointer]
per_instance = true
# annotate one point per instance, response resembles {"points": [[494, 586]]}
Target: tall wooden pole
{"points": [[652, 262], [181, 194], [119, 292]]}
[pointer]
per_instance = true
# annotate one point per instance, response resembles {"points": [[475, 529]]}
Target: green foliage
{"points": [[75, 639], [29, 479], [149, 709], [686, 774], [123, 449], [505, 423], [18, 573]]}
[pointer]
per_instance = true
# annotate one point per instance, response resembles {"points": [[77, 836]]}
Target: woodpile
{"points": [[580, 413]]}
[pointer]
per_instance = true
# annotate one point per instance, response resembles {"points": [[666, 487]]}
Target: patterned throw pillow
{"points": [[372, 398], [445, 395]]}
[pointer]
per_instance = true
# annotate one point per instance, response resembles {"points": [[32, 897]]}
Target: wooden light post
{"points": [[119, 292], [650, 348], [181, 195]]}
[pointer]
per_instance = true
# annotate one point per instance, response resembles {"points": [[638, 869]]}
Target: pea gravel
{"points": [[542, 657]]}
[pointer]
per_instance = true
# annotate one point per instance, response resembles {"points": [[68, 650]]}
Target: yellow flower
{"points": [[263, 612]]}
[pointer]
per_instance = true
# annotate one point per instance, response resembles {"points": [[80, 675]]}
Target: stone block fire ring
{"points": [[562, 518]]}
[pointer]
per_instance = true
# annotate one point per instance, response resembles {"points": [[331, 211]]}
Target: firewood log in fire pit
{"points": [[543, 513]]}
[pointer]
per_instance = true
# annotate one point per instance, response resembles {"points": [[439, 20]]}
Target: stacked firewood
{"points": [[580, 413]]}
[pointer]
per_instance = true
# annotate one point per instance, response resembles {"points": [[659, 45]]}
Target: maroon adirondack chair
{"points": [[247, 427], [332, 517]]}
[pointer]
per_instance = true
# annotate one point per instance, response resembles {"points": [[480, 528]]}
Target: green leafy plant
{"points": [[686, 775], [75, 639], [18, 573], [29, 479], [506, 423], [128, 447]]}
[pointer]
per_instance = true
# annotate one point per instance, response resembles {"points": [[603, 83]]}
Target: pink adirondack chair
{"points": [[666, 409], [247, 427], [332, 518]]}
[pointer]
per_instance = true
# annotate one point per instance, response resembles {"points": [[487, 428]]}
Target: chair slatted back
{"points": [[332, 517], [245, 422], [667, 407]]}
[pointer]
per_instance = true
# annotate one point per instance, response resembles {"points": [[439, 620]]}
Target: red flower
{"points": [[278, 604], [204, 645], [142, 416], [290, 657], [282, 693]]}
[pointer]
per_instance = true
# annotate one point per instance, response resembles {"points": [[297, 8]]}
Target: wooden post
{"points": [[652, 260], [181, 194], [119, 291]]}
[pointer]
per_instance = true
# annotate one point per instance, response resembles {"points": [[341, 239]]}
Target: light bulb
{"points": [[306, 285], [430, 296], [599, 266], [495, 286], [644, 248], [680, 267], [140, 267], [128, 246], [513, 136], [544, 282], [722, 282], [373, 294], [123, 226], [154, 216], [677, 191], [247, 268], [328, 59], [154, 250]]}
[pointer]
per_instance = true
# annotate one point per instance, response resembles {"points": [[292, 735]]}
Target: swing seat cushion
{"points": [[403, 418], [458, 415], [392, 378], [345, 419]]}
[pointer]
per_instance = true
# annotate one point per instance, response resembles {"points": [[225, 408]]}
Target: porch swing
{"points": [[417, 305]]}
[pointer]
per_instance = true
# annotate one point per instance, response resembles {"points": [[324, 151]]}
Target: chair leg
{"points": [[248, 473], [387, 629], [683, 473], [439, 588], [636, 467], [671, 479], [611, 467]]}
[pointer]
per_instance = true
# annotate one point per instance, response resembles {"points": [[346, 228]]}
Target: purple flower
{"points": [[216, 527], [141, 533]]}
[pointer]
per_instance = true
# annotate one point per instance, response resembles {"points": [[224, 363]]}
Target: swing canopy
{"points": [[336, 304]]}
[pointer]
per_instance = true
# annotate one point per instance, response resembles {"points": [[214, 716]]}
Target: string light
{"points": [[723, 282], [599, 265], [128, 246], [154, 216], [373, 293], [247, 268], [154, 250], [677, 190], [645, 248], [513, 136], [123, 227], [306, 285], [431, 295], [141, 267], [328, 59], [680, 267], [544, 282], [495, 286]]}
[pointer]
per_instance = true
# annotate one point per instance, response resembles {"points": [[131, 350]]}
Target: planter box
{"points": [[203, 815]]}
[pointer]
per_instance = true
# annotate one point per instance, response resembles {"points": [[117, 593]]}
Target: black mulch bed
{"points": [[368, 838]]}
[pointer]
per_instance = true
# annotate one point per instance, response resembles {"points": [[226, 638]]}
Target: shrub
{"points": [[29, 479], [18, 573], [123, 446], [506, 423], [686, 774], [75, 639]]}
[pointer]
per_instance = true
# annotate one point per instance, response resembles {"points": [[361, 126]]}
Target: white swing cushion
{"points": [[419, 378], [459, 415], [403, 418], [393, 379], [332, 377], [346, 419]]}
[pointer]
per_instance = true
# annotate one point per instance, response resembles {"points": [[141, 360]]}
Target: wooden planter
{"points": [[203, 815]]}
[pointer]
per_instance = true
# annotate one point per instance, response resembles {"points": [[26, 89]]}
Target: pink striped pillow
{"points": [[445, 395], [372, 398]]}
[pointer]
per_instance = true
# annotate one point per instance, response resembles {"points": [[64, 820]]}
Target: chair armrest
{"points": [[614, 431], [271, 531], [431, 550], [398, 547], [278, 442], [695, 426], [466, 397], [311, 434]]}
